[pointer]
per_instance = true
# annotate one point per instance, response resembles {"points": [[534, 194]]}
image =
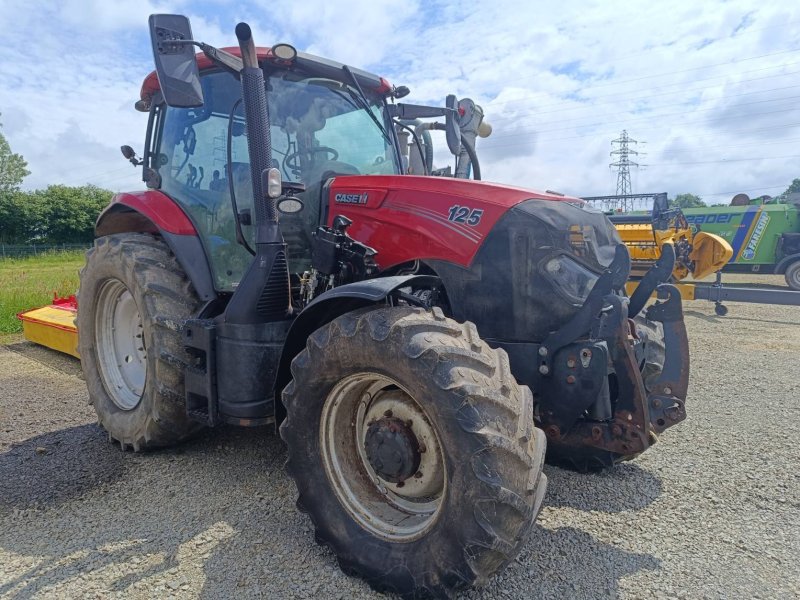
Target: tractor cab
{"points": [[321, 126]]}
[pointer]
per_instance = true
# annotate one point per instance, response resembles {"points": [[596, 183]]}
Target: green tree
{"points": [[687, 201], [22, 218], [71, 212], [793, 188], [13, 168], [56, 215]]}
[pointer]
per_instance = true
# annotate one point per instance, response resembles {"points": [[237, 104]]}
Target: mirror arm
{"points": [[225, 60]]}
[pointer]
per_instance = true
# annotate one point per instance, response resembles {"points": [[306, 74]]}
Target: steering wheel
{"points": [[292, 162]]}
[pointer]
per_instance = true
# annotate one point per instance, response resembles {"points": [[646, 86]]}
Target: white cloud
{"points": [[711, 87]]}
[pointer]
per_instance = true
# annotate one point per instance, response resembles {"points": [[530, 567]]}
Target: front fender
{"points": [[334, 303]]}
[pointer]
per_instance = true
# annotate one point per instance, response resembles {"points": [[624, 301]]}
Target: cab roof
{"points": [[314, 65]]}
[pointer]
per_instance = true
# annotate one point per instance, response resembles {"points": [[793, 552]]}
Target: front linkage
{"points": [[605, 384]]}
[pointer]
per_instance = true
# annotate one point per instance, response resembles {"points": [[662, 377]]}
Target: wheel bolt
{"points": [[388, 413], [400, 484], [418, 475], [409, 423]]}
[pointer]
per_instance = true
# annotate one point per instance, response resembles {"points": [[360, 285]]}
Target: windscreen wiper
{"points": [[361, 100]]}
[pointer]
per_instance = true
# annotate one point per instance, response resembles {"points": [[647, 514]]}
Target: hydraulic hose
{"points": [[473, 158], [420, 128]]}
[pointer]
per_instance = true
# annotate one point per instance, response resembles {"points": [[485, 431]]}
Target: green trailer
{"points": [[765, 237]]}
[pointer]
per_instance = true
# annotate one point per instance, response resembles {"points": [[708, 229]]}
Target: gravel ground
{"points": [[711, 512]]}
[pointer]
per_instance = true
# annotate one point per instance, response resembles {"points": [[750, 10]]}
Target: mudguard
{"points": [[336, 302], [781, 267], [155, 212]]}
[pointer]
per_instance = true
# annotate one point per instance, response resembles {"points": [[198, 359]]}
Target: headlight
{"points": [[569, 277]]}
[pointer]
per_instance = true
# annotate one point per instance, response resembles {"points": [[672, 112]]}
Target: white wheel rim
{"points": [[119, 339], [399, 513]]}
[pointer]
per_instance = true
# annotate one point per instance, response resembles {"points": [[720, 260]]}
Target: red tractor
{"points": [[417, 338]]}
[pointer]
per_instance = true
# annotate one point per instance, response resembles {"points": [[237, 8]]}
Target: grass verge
{"points": [[31, 282]]}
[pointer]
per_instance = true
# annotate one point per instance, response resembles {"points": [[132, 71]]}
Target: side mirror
{"points": [[128, 153], [452, 132], [176, 65]]}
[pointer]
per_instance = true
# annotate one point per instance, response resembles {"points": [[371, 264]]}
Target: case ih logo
{"points": [[758, 232], [351, 198]]}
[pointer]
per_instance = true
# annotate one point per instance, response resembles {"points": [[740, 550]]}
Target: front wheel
{"points": [[413, 450], [133, 295]]}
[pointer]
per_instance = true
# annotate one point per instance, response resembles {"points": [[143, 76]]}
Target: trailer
{"points": [[765, 237]]}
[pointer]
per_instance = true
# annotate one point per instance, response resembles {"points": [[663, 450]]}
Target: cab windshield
{"points": [[318, 128]]}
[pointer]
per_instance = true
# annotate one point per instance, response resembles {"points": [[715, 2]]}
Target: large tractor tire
{"points": [[413, 450], [587, 459], [132, 296]]}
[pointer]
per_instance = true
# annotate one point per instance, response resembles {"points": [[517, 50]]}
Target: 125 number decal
{"points": [[463, 214]]}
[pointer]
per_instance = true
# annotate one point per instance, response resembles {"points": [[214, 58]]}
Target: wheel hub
{"points": [[119, 338], [392, 449], [383, 457]]}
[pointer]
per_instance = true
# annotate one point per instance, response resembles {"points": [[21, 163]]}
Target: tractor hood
{"points": [[518, 261], [406, 218]]}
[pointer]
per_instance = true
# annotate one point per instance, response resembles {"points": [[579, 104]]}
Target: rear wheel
{"points": [[133, 296], [413, 450], [792, 275]]}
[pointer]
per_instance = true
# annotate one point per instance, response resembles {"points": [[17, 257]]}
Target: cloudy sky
{"points": [[709, 89]]}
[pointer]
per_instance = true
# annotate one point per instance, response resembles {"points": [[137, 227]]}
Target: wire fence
{"points": [[23, 250]]}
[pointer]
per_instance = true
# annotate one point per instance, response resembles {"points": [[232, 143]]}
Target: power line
{"points": [[661, 128], [722, 161], [494, 104], [660, 116], [758, 189], [684, 92]]}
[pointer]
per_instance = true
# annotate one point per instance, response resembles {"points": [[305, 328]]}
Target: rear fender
{"points": [[156, 213]]}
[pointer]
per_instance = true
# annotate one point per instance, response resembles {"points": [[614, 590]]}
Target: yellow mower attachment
{"points": [[53, 326]]}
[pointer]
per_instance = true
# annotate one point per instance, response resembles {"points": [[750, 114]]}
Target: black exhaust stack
{"points": [[263, 293], [242, 347]]}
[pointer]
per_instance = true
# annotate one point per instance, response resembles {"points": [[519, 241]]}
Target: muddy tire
{"points": [[133, 295], [593, 460], [413, 450]]}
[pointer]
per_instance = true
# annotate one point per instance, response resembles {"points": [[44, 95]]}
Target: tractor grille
{"points": [[274, 300]]}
